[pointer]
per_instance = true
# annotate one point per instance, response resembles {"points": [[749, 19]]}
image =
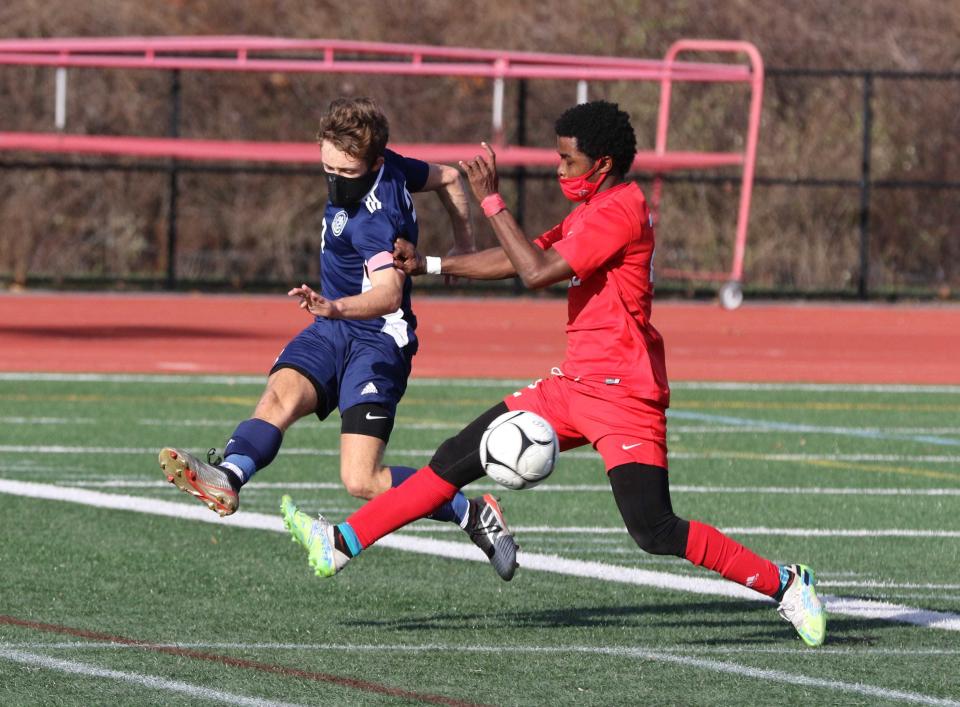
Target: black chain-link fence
{"points": [[877, 216]]}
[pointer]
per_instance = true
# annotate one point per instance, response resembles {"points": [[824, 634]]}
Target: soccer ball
{"points": [[518, 449]]}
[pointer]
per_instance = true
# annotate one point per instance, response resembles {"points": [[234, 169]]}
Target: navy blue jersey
{"points": [[353, 235]]}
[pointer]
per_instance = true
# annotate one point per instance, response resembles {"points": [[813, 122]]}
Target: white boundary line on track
{"points": [[645, 654], [150, 681], [463, 551], [483, 382]]}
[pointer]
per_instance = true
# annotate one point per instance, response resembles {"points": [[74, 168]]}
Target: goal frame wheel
{"points": [[730, 295]]}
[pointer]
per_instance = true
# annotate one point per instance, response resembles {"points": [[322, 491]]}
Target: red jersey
{"points": [[608, 241]]}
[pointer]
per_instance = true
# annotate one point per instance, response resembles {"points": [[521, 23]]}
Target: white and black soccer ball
{"points": [[519, 449]]}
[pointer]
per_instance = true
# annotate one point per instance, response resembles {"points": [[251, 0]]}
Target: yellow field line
{"points": [[820, 406], [855, 466]]}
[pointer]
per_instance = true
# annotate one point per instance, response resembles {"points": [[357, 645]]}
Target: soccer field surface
{"points": [[118, 589]]}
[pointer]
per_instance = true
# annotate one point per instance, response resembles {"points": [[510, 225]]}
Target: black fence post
{"points": [[521, 140], [863, 284], [172, 174], [521, 178]]}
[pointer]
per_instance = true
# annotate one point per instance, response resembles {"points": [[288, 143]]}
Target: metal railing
{"points": [[251, 54], [523, 167]]}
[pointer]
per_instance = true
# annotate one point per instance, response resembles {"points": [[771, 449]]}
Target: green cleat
{"points": [[314, 536], [801, 606]]}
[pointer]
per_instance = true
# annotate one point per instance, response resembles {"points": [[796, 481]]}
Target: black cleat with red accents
{"points": [[488, 530]]}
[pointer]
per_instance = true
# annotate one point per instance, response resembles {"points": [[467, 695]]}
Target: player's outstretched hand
{"points": [[313, 302], [407, 258], [481, 172]]}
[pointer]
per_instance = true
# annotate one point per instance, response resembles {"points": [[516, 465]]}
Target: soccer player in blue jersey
{"points": [[356, 354]]}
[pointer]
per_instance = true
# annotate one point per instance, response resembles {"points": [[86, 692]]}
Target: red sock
{"points": [[415, 498], [708, 547]]}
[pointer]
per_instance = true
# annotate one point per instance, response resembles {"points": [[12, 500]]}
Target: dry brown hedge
{"points": [[246, 228]]}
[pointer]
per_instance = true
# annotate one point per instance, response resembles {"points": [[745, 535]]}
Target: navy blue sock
{"points": [[454, 511], [253, 445]]}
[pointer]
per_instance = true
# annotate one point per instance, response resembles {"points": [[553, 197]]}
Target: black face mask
{"points": [[347, 191]]}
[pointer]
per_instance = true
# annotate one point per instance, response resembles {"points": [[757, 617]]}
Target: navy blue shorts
{"points": [[349, 365]]}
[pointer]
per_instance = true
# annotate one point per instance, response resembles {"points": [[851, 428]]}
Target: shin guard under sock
{"points": [[708, 547], [416, 497], [253, 445], [453, 511]]}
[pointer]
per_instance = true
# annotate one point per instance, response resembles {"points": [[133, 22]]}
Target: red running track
{"points": [[483, 338]]}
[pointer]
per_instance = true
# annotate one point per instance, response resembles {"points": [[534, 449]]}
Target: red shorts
{"points": [[621, 426]]}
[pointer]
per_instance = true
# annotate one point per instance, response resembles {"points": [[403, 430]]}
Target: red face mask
{"points": [[580, 188]]}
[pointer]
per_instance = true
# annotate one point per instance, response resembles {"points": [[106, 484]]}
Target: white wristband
{"points": [[433, 265]]}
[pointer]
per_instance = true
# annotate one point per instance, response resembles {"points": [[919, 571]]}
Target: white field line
{"points": [[47, 421], [464, 551], [426, 454], [903, 458], [899, 596], [888, 585], [594, 530], [644, 654], [126, 482], [819, 387], [581, 530], [675, 429], [331, 425], [151, 681], [836, 429], [800, 652], [793, 427], [482, 383]]}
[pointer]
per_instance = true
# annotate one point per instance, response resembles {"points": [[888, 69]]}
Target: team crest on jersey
{"points": [[339, 222]]}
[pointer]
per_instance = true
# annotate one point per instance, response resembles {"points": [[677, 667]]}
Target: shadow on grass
{"points": [[635, 615], [732, 622]]}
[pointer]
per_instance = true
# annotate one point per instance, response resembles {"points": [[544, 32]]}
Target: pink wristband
{"points": [[492, 205]]}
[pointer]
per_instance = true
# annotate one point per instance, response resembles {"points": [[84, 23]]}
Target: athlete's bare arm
{"points": [[489, 264], [384, 297], [448, 185], [536, 267]]}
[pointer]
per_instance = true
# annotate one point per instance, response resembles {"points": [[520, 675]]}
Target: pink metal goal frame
{"points": [[259, 54]]}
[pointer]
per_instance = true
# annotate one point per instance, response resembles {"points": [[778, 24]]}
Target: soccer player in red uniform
{"points": [[611, 390]]}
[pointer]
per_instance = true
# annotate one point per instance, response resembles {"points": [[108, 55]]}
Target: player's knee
{"points": [[279, 410], [642, 493], [445, 456], [668, 536], [287, 397], [457, 459], [365, 485]]}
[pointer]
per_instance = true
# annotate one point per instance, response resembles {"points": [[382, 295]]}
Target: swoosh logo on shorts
{"points": [[627, 447], [376, 417]]}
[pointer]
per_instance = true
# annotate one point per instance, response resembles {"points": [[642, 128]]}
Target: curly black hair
{"points": [[600, 129]]}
